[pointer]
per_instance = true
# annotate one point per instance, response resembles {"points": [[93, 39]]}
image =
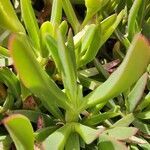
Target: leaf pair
{"points": [[57, 140], [34, 77], [96, 36], [64, 58]]}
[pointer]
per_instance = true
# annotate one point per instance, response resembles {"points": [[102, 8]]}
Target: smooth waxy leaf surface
{"points": [[7, 15], [132, 18], [100, 37], [88, 134], [42, 134], [106, 23], [57, 140], [63, 27], [121, 79], [46, 28], [92, 8], [21, 131], [88, 37], [96, 119], [73, 142], [53, 49], [30, 22], [121, 133], [56, 12], [34, 77], [136, 94], [145, 102], [125, 121], [68, 68], [107, 142], [71, 16], [143, 127]]}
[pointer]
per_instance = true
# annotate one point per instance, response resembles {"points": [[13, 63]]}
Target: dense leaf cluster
{"points": [[76, 80]]}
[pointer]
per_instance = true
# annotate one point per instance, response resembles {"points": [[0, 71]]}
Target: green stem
{"points": [[72, 115], [72, 18], [56, 12], [132, 18]]}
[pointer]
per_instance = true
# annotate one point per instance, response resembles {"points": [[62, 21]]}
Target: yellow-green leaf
{"points": [[21, 131], [8, 17], [138, 56]]}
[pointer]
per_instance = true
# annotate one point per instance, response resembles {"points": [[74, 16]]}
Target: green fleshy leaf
{"points": [[57, 140], [143, 127], [144, 115], [107, 142], [71, 16], [136, 94], [42, 134], [30, 22], [121, 133], [145, 102], [68, 68], [46, 28], [77, 38], [71, 49], [107, 23], [34, 77], [88, 37], [96, 119], [120, 80], [89, 72], [88, 134], [88, 82], [63, 27], [132, 18], [73, 142], [125, 121], [53, 50], [21, 131], [56, 12], [101, 69], [7, 15], [100, 38], [92, 8]]}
